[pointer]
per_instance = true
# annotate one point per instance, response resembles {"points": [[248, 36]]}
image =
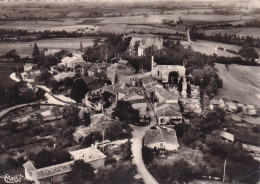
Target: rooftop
{"points": [[168, 110], [88, 154], [160, 135]]}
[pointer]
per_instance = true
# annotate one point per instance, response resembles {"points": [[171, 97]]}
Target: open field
{"points": [[25, 48], [242, 32], [68, 24], [142, 19], [125, 28], [208, 47], [240, 83], [5, 71]]}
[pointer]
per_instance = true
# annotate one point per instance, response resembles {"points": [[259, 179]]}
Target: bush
{"points": [[110, 161]]}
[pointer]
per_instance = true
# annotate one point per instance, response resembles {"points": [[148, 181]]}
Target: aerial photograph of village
{"points": [[130, 92]]}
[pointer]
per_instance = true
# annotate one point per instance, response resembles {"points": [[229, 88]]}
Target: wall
{"points": [[168, 146]]}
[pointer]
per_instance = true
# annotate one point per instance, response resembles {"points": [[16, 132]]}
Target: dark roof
{"points": [[160, 135], [89, 80], [96, 84]]}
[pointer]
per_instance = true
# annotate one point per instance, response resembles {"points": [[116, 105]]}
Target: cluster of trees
{"points": [[207, 78], [234, 60], [248, 52], [81, 173], [46, 62], [19, 94], [79, 89], [200, 133], [125, 112], [113, 45], [71, 115], [117, 174], [10, 164], [46, 158], [239, 163], [180, 171]]}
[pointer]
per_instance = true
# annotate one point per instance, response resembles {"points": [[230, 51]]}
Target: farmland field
{"points": [[202, 18], [63, 24], [254, 32], [25, 48], [240, 83], [149, 19], [208, 47], [124, 28]]}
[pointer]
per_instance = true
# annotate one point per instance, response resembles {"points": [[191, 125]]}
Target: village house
{"points": [[98, 70], [28, 67], [99, 122], [144, 41], [228, 137], [161, 72], [216, 103], [121, 73], [117, 91], [191, 105], [51, 51], [56, 173], [76, 63], [161, 138], [95, 86], [167, 113]]}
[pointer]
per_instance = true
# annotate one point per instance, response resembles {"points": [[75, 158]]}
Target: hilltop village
{"points": [[132, 102]]}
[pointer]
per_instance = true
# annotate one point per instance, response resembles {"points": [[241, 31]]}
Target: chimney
{"points": [[152, 61]]}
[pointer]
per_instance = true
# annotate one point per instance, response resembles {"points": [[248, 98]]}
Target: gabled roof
{"points": [[160, 135], [168, 110], [54, 170], [227, 136], [100, 66], [89, 80], [96, 84], [29, 166], [88, 154]]}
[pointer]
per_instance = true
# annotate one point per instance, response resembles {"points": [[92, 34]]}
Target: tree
{"points": [[55, 111], [68, 82], [40, 94], [79, 89], [113, 131], [36, 53], [81, 172], [136, 45], [86, 118], [173, 77], [44, 76], [188, 90], [125, 112], [180, 85], [71, 115]]}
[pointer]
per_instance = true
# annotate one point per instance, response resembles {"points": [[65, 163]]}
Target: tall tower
{"points": [[184, 87]]}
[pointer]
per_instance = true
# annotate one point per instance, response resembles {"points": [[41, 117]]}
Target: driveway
{"points": [[137, 141]]}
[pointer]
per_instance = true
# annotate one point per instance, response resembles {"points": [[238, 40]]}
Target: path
{"points": [[137, 141]]}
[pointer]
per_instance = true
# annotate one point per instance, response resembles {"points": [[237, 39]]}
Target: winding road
{"points": [[137, 141]]}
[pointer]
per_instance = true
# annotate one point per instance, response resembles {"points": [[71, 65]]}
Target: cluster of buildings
{"points": [[56, 173], [141, 42], [233, 107]]}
